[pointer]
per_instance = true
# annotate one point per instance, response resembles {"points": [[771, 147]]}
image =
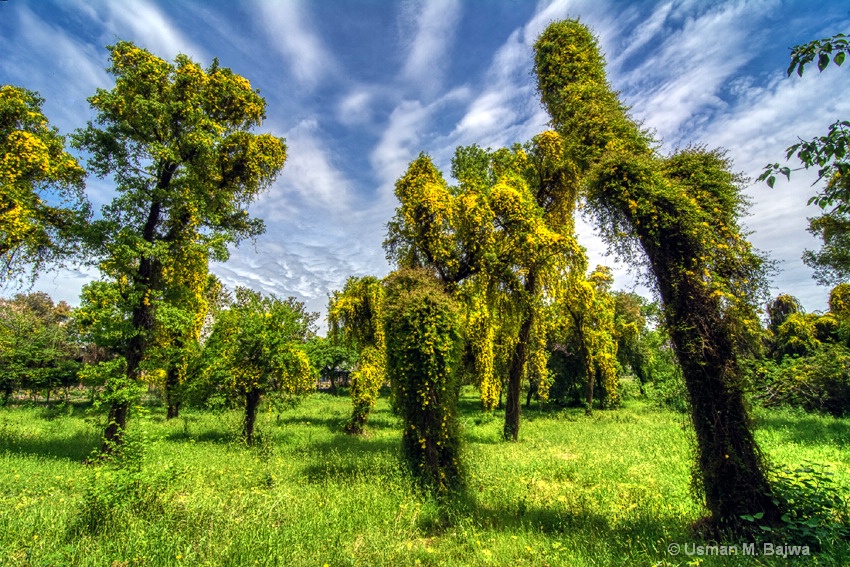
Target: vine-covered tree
{"points": [[257, 348], [501, 241], [681, 214], [42, 206], [356, 320], [423, 346], [177, 140]]}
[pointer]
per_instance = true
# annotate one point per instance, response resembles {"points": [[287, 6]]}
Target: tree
{"points": [[589, 326], [38, 349], [830, 154], [42, 205], [257, 348], [423, 346], [177, 141], [332, 361], [499, 241], [680, 214], [356, 319]]}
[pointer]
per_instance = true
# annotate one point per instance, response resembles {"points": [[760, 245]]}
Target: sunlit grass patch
{"points": [[608, 489]]}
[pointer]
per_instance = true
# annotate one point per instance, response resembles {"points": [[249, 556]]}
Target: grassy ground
{"points": [[609, 489]]}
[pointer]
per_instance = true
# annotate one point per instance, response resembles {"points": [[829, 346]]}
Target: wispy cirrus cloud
{"points": [[310, 173], [287, 25], [434, 24]]}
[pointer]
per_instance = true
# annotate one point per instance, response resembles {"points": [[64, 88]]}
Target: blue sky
{"points": [[359, 87]]}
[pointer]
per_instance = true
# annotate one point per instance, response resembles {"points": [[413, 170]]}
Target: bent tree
{"points": [[177, 140], [681, 215]]}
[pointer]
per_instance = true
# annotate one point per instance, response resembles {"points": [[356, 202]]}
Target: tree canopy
{"points": [[42, 205]]}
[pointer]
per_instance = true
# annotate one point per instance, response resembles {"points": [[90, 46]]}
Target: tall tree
{"points": [[177, 140], [681, 214], [500, 240], [42, 205]]}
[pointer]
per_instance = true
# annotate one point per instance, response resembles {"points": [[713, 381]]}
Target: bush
{"points": [[819, 382]]}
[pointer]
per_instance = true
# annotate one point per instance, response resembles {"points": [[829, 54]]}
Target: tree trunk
{"points": [[517, 367], [115, 426], [172, 395], [252, 401], [730, 462]]}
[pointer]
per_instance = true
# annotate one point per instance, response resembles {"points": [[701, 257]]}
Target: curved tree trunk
{"points": [[730, 462]]}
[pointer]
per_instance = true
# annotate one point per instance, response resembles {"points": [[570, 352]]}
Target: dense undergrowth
{"points": [[612, 488]]}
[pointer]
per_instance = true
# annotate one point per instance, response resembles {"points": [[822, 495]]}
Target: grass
{"points": [[609, 489]]}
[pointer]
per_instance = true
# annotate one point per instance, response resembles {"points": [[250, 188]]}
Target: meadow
{"points": [[612, 488]]}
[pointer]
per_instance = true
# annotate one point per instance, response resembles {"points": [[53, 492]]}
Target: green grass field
{"points": [[608, 489]]}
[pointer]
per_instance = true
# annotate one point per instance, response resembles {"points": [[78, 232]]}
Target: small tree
{"points": [[257, 348], [38, 349], [331, 361], [423, 340]]}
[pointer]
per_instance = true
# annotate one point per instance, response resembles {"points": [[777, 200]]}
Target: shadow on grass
{"points": [[348, 457], [809, 430], [76, 447]]}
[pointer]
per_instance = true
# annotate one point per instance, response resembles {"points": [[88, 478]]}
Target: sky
{"points": [[360, 87]]}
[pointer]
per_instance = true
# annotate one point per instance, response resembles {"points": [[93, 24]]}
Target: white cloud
{"points": [[147, 26], [400, 141], [291, 34], [309, 171], [355, 107], [435, 24], [61, 68]]}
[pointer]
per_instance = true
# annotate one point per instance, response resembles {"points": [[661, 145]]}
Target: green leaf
{"points": [[823, 61], [839, 58], [771, 181], [758, 516]]}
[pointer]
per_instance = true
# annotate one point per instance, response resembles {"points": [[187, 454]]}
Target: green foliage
{"points": [[831, 264], [333, 362], [257, 348], [423, 338], [818, 381], [780, 309], [124, 484], [42, 206], [797, 336], [828, 153], [818, 511], [39, 350]]}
